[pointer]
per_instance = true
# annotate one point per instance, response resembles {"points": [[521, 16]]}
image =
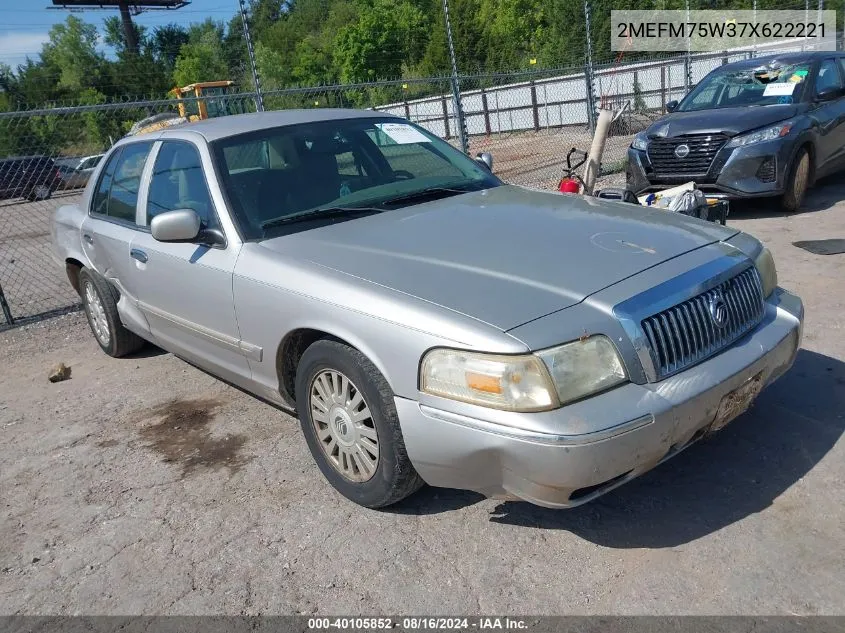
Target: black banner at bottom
{"points": [[529, 624]]}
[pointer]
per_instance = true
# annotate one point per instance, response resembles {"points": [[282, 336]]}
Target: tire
{"points": [[99, 299], [339, 410], [797, 182]]}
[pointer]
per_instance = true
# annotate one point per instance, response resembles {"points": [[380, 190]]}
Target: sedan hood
{"points": [[506, 255], [728, 121]]}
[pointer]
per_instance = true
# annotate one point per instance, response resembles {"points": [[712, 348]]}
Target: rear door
{"points": [[185, 289], [111, 225]]}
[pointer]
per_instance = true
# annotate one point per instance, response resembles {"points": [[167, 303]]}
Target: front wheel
{"points": [[797, 182], [39, 192], [349, 419]]}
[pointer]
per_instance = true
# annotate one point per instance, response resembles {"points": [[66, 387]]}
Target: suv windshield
{"points": [[761, 86], [360, 165]]}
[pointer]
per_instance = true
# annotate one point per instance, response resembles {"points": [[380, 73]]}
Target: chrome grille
{"points": [[687, 333], [702, 150]]}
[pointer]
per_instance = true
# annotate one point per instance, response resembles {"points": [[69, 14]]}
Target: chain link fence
{"points": [[528, 120]]}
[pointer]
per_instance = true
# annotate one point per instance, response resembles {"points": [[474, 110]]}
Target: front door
{"points": [[185, 289], [831, 118]]}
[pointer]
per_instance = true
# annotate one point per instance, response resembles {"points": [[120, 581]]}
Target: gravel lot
{"points": [[145, 486]]}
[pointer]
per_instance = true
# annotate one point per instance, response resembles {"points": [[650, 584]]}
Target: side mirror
{"points": [[829, 94], [672, 105], [181, 225], [486, 158]]}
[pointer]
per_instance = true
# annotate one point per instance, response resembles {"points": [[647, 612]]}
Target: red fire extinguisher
{"points": [[571, 182]]}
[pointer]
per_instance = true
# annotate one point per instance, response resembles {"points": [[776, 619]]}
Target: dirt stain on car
{"points": [[182, 436]]}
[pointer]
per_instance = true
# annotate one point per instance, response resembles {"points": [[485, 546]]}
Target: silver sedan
{"points": [[426, 322]]}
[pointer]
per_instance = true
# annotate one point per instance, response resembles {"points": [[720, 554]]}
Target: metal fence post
{"points": [[259, 98], [687, 60], [486, 110], [534, 107], [7, 313], [588, 70], [460, 120]]}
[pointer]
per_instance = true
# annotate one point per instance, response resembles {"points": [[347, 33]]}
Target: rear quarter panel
{"points": [[66, 234]]}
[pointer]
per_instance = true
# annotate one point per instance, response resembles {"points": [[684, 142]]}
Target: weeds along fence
{"points": [[527, 120]]}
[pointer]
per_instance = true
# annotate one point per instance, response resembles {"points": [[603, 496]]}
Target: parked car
{"points": [[75, 172], [427, 322], [30, 177], [763, 127]]}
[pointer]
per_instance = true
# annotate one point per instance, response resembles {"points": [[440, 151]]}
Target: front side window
{"points": [[829, 77], [116, 195], [275, 175], [178, 182]]}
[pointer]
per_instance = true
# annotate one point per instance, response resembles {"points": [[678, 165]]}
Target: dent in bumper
{"points": [[567, 468]]}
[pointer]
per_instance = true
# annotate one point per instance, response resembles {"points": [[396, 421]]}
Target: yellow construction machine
{"points": [[195, 102]]}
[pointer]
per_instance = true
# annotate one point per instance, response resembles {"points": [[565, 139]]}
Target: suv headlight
{"points": [[529, 382], [765, 265], [640, 142], [766, 134]]}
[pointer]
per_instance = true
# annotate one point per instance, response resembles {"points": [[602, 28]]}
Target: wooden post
{"points": [[486, 112], [534, 109], [446, 117], [407, 110]]}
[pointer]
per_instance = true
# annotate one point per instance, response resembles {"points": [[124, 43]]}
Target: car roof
{"points": [[222, 127], [784, 58]]}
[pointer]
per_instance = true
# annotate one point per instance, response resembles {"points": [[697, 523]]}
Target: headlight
{"points": [[766, 134], [524, 383], [584, 367], [765, 265], [640, 142], [512, 383]]}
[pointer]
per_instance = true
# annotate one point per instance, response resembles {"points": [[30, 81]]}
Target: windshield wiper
{"points": [[320, 212], [422, 195]]}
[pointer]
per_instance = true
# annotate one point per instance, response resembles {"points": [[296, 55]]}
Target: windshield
{"points": [[761, 86], [379, 164]]}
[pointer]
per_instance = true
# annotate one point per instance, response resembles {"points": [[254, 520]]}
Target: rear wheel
{"points": [[99, 299], [39, 192], [797, 182], [349, 419]]}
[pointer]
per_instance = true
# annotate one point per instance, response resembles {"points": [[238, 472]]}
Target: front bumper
{"points": [[643, 425], [752, 171]]}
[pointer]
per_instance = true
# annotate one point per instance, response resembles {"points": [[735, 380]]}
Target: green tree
{"points": [[72, 50], [114, 35], [202, 58], [386, 36]]}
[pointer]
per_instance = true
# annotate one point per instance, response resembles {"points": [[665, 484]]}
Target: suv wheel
{"points": [[349, 419], [797, 182]]}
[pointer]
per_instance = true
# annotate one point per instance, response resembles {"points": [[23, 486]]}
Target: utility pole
{"points": [[456, 88], [129, 33], [259, 98]]}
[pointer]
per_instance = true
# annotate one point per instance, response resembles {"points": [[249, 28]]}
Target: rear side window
{"points": [[117, 192]]}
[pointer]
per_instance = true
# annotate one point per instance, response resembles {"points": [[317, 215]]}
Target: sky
{"points": [[25, 24]]}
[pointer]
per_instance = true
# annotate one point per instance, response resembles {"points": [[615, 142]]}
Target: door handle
{"points": [[87, 237], [138, 254]]}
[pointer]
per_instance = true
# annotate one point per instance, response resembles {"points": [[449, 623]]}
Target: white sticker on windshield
{"points": [[779, 89], [402, 133]]}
